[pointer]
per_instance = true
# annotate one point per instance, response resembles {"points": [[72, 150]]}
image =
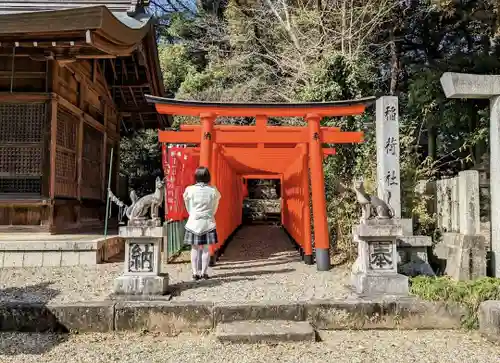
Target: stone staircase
{"points": [[265, 331]]}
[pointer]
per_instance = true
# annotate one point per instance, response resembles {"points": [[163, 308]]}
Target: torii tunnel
{"points": [[292, 154]]}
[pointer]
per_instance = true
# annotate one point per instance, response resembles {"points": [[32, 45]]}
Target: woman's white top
{"points": [[201, 202]]}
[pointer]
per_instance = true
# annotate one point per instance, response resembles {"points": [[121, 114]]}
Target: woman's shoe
{"points": [[205, 277], [196, 277]]}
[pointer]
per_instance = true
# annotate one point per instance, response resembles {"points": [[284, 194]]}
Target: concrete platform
{"points": [[270, 331], [37, 250]]}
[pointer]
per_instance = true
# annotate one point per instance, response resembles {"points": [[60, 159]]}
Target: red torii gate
{"points": [[290, 152]]}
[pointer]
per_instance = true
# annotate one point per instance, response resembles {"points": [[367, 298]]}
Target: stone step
{"points": [[265, 331]]}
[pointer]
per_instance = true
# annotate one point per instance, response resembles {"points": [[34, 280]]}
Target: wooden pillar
{"points": [[207, 125], [321, 237], [104, 156], [306, 219]]}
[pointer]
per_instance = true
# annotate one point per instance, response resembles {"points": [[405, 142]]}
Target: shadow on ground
{"points": [[24, 309]]}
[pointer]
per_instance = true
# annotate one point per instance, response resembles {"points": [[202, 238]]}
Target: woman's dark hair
{"points": [[202, 175]]}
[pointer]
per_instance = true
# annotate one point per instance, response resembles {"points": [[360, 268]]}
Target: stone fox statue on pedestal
{"points": [[140, 206], [370, 203]]}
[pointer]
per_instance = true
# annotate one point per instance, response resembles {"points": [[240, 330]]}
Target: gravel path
{"points": [[260, 264], [339, 347]]}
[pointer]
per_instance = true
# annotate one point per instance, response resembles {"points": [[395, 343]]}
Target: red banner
{"points": [[179, 165]]}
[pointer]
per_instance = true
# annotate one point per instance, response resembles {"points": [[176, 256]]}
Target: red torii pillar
{"points": [[321, 236]]}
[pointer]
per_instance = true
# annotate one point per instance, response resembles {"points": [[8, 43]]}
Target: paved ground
{"points": [[260, 264], [339, 347]]}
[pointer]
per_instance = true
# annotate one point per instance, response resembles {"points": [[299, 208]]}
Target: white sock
{"points": [[194, 259], [199, 262], [205, 260]]}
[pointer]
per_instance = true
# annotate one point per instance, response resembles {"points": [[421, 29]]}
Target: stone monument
{"points": [[412, 250], [143, 240], [375, 271]]}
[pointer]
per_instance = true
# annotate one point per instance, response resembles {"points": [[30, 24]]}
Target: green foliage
{"points": [[140, 160], [176, 65], [468, 294]]}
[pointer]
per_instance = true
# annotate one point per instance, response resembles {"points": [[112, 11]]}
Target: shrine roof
{"points": [[118, 29], [195, 108]]}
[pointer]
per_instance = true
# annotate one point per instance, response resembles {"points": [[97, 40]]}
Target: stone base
{"points": [[369, 284], [143, 222], [141, 285]]}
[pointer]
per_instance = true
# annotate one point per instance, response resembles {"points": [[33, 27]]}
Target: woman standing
{"points": [[201, 202]]}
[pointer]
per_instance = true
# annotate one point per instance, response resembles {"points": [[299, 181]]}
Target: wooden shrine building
{"points": [[72, 78]]}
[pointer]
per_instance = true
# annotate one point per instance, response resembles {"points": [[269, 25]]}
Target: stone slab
{"points": [[132, 231], [13, 259], [89, 316], [378, 228], [141, 285], [414, 241], [465, 255], [167, 317], [176, 317], [268, 331], [383, 313], [372, 283], [489, 319], [228, 312], [464, 85]]}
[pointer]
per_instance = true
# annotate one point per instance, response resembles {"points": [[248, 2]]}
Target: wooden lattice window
{"points": [[92, 162], [66, 144], [22, 130]]}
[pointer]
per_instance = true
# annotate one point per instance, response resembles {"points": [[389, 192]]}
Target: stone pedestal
{"points": [[375, 271], [142, 268]]}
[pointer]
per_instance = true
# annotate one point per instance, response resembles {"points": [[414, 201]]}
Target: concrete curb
{"points": [[175, 317]]}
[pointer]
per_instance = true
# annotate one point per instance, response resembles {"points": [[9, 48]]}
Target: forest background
{"points": [[326, 50]]}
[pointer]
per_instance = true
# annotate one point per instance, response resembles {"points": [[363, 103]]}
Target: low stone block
{"points": [[52, 258], [489, 319], [13, 259], [69, 258], [369, 284], [27, 317], [32, 259], [87, 258], [268, 331], [257, 311], [165, 317], [141, 285], [404, 313], [85, 316]]}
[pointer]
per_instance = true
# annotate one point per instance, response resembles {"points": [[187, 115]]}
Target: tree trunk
{"points": [[395, 64]]}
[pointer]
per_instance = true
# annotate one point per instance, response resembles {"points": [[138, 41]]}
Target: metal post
{"points": [[107, 194]]}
